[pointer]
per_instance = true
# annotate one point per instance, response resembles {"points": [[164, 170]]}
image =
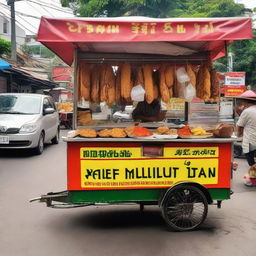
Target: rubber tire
{"points": [[170, 194], [56, 139], [38, 150]]}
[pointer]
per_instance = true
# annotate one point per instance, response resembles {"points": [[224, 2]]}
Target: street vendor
{"points": [[246, 127], [144, 111]]}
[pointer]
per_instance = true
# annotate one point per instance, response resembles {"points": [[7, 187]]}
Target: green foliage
{"points": [[40, 50], [5, 47], [157, 8], [212, 8], [244, 51]]}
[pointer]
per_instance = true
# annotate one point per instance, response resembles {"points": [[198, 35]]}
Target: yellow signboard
{"points": [[137, 152], [145, 173]]}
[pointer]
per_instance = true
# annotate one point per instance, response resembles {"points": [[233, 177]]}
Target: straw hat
{"points": [[248, 95]]}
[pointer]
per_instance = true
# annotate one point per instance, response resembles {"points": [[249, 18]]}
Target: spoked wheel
{"points": [[185, 208]]}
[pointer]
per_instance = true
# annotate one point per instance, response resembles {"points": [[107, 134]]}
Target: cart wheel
{"points": [[184, 208]]}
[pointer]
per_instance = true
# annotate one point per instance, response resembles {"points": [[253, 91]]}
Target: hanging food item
{"points": [[126, 84], [118, 85], [206, 83], [164, 91], [84, 80], [169, 76], [148, 80], [191, 75], [139, 77], [103, 93], [199, 83], [175, 89], [203, 83], [156, 82], [110, 85], [107, 84], [95, 82], [215, 85]]}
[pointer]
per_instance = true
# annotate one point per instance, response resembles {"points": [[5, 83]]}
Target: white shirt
{"points": [[247, 120]]}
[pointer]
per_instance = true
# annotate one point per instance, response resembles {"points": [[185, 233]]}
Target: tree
{"points": [[157, 8], [244, 59], [5, 47]]}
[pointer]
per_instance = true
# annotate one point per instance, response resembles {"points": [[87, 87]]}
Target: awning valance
{"points": [[184, 35]]}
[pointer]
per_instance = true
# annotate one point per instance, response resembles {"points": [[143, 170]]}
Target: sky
{"points": [[247, 3]]}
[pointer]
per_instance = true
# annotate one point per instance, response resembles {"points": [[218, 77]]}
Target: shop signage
{"points": [[119, 168], [234, 84]]}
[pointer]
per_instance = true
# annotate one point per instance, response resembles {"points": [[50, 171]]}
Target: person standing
{"points": [[246, 127]]}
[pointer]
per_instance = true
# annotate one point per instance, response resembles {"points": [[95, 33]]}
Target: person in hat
{"points": [[246, 127]]}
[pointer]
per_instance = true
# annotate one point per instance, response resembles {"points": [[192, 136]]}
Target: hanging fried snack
{"points": [[148, 80], [84, 80], [126, 85], [169, 75], [118, 85], [206, 83], [103, 88], [199, 83], [139, 77], [110, 85], [191, 75], [175, 89], [156, 81], [215, 86], [95, 82], [107, 84], [164, 91], [203, 83], [156, 91]]}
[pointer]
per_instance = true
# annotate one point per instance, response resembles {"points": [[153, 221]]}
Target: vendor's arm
{"points": [[241, 123], [240, 131]]}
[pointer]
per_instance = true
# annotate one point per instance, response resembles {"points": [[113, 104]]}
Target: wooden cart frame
{"points": [[181, 176]]}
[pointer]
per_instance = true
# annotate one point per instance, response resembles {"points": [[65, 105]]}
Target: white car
{"points": [[27, 121]]}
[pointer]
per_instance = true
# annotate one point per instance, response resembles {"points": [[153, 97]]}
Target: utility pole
{"points": [[13, 30]]}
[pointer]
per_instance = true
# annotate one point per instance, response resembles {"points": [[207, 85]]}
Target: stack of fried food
{"points": [[164, 130], [199, 131], [103, 82], [188, 131], [88, 133], [65, 106]]}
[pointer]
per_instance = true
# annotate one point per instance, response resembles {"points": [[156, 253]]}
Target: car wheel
{"points": [[56, 139], [40, 146]]}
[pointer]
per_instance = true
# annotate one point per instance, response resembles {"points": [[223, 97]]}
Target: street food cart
{"points": [[181, 174]]}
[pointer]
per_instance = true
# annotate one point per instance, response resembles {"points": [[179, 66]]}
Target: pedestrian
{"points": [[246, 127]]}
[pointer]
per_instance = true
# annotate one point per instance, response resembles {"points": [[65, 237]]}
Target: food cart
{"points": [[182, 175]]}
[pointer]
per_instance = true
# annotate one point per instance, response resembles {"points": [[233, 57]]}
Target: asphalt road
{"points": [[32, 229]]}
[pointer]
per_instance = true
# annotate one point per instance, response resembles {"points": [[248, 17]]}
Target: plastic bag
{"points": [[190, 92], [138, 93], [182, 75]]}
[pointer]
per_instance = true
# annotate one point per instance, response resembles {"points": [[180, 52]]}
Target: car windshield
{"points": [[20, 104]]}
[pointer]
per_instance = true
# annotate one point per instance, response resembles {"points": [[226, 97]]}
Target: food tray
{"points": [[143, 137], [196, 136], [165, 136]]}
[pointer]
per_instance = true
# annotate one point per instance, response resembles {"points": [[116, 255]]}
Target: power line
{"points": [[50, 6]]}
